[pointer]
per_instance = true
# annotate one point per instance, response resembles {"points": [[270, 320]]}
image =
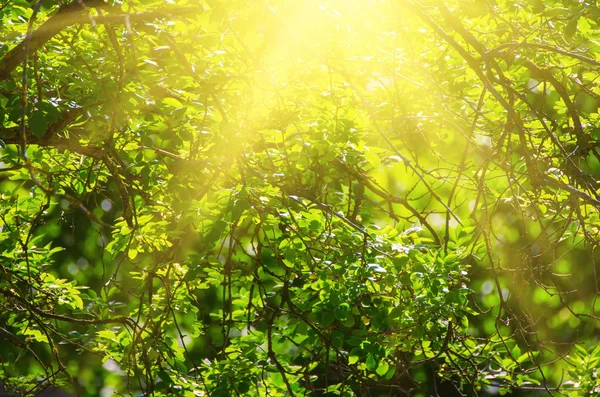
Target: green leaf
{"points": [[35, 334], [327, 317], [583, 25], [132, 253], [382, 368], [516, 351], [165, 380], [390, 373], [172, 102], [243, 387], [38, 124], [373, 159], [107, 334], [51, 112], [571, 28], [371, 362]]}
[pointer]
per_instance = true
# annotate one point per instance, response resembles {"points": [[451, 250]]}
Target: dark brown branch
{"points": [[545, 74], [52, 137], [406, 161], [475, 65], [583, 195], [60, 317], [119, 19], [66, 15], [71, 14], [126, 198], [388, 197], [496, 51]]}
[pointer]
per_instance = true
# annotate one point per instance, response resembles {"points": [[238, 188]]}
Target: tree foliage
{"points": [[279, 198]]}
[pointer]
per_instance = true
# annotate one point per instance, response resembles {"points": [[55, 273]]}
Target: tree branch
{"points": [[71, 14], [497, 50], [12, 136], [66, 15]]}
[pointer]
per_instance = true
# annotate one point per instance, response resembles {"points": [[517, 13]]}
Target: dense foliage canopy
{"points": [[294, 198]]}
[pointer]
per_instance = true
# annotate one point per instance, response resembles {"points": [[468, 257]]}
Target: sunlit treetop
{"points": [[293, 198]]}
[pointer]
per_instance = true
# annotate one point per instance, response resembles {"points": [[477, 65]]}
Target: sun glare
{"points": [[314, 29]]}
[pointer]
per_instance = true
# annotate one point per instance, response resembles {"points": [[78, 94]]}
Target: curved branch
{"points": [[66, 15], [496, 51], [545, 74], [11, 136], [71, 14], [389, 198], [60, 317]]}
